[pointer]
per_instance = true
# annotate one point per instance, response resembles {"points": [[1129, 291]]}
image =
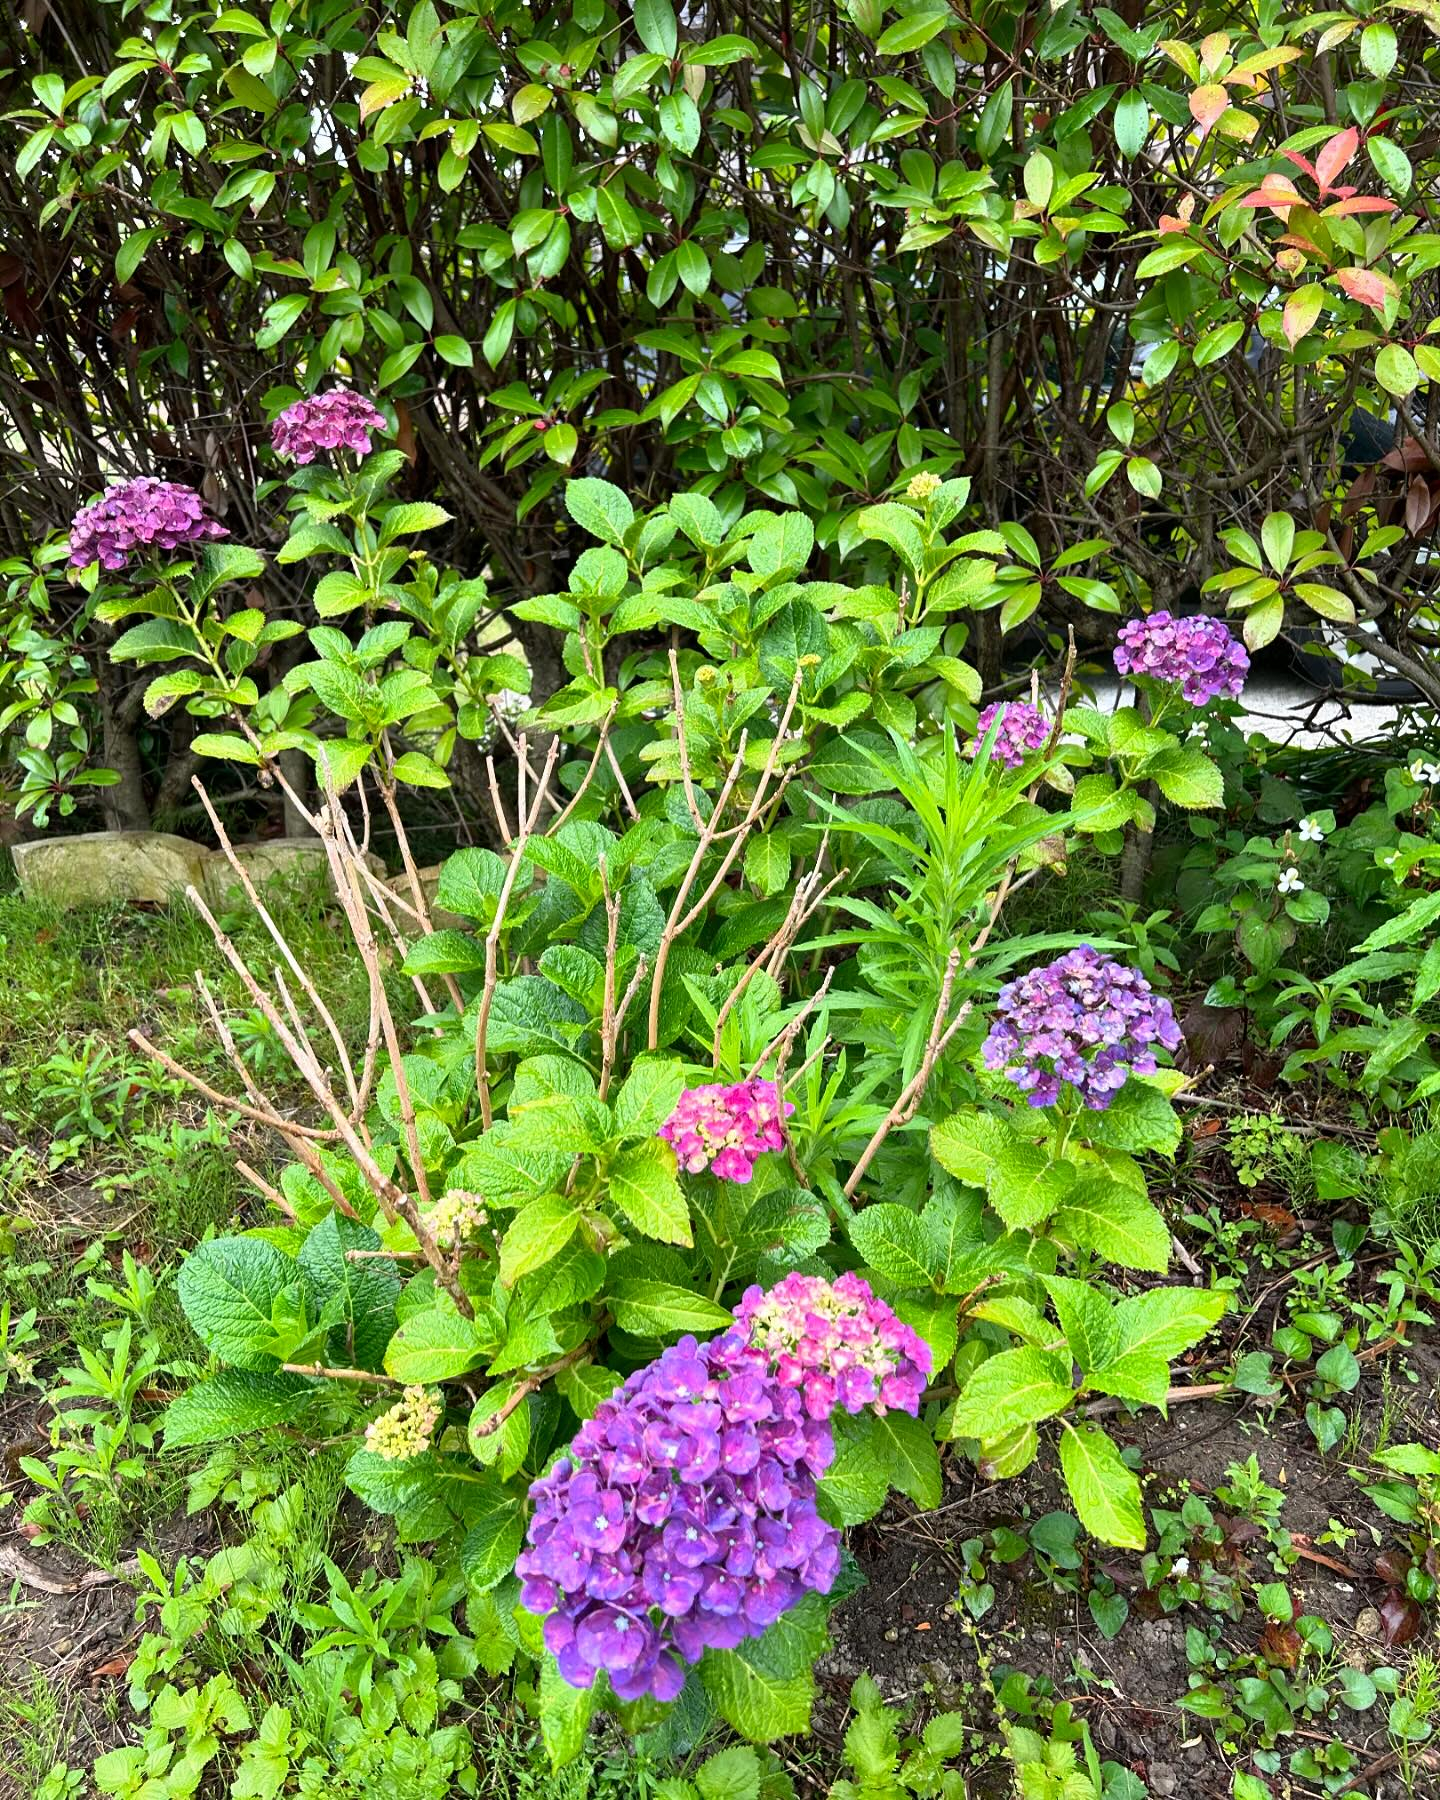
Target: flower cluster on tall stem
{"points": [[1023, 728], [1084, 1022], [724, 1126], [136, 516], [336, 420], [684, 1517], [1200, 655]]}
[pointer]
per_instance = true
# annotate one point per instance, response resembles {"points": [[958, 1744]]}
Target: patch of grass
{"points": [[32, 1729]]}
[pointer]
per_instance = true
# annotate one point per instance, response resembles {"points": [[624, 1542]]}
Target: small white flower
{"points": [[1310, 832], [1428, 772], [1289, 881], [1180, 1566]]}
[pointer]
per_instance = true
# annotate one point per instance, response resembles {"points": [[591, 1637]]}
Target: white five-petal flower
{"points": [[1289, 881], [1310, 832]]}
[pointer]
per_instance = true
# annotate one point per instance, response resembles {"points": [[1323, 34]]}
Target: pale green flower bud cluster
{"points": [[406, 1429], [456, 1216]]}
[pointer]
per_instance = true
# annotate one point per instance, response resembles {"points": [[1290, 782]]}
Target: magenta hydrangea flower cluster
{"points": [[724, 1126], [1083, 1021], [1023, 728], [838, 1344], [143, 514], [684, 1517], [337, 420], [1201, 655]]}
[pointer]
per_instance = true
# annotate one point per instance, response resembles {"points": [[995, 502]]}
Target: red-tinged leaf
{"points": [[1334, 156], [1277, 191], [1400, 1618], [1360, 204], [1392, 1566], [1412, 454], [1301, 162], [112, 1667], [1368, 286], [1207, 103], [1280, 1645], [1420, 505], [1213, 47]]}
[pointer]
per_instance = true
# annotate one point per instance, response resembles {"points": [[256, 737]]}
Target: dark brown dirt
{"points": [[925, 1652]]}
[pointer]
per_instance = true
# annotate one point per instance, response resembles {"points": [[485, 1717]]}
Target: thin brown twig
{"points": [[524, 1389], [528, 822]]}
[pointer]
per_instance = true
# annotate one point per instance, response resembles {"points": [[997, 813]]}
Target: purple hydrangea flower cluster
{"points": [[838, 1344], [1085, 1021], [1200, 654], [337, 420], [143, 514], [1022, 729], [724, 1126], [684, 1517]]}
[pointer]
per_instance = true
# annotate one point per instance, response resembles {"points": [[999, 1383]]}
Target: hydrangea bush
{"points": [[732, 1118]]}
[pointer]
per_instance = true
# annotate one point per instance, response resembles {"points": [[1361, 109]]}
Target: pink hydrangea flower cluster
{"points": [[337, 420], [724, 1126], [1022, 729], [1084, 1021], [684, 1517], [838, 1344], [144, 514], [1201, 655]]}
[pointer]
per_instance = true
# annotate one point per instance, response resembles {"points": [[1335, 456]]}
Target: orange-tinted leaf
{"points": [[1207, 104], [1334, 156], [1277, 191], [1213, 47], [1360, 203], [1368, 286]]}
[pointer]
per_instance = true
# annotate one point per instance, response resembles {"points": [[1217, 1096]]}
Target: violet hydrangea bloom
{"points": [[1200, 654], [1084, 1021], [337, 420], [143, 514], [1022, 729], [724, 1126], [684, 1517], [838, 1344]]}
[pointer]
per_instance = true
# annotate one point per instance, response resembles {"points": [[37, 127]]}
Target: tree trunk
{"points": [[126, 808], [295, 767], [175, 793], [1135, 857]]}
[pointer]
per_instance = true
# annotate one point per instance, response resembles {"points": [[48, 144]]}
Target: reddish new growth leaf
{"points": [[1171, 222], [1207, 103], [1368, 286], [1278, 192]]}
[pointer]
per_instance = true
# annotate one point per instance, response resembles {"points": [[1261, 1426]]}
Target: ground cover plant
{"points": [[829, 1182]]}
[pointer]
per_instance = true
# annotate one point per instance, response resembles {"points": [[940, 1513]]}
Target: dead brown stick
{"points": [[523, 1390], [601, 747], [412, 877], [908, 1102], [492, 937], [779, 1045], [805, 901], [679, 920], [262, 913], [289, 1128], [323, 1372], [685, 774], [1210, 1390]]}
